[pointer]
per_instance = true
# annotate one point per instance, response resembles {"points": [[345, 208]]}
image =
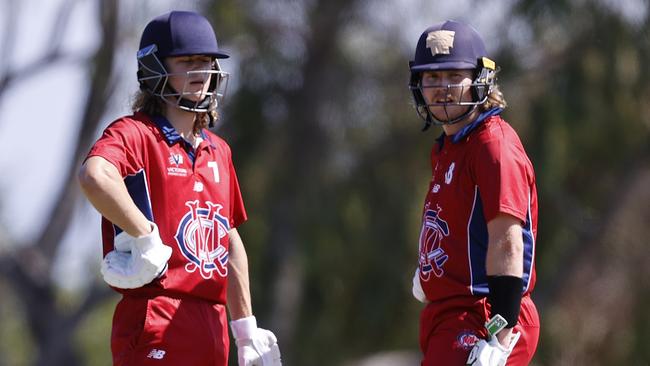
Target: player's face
{"points": [[445, 89], [188, 78]]}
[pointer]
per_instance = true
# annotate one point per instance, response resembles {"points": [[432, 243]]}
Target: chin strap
{"points": [[186, 103], [183, 103], [430, 120]]}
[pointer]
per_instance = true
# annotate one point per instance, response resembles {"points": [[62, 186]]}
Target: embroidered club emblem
{"points": [[202, 238], [440, 42], [432, 256]]}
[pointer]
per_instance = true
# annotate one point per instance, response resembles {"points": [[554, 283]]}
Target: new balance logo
{"points": [[157, 354]]}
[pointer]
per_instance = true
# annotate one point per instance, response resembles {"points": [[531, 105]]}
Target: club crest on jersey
{"points": [[432, 256], [202, 237]]}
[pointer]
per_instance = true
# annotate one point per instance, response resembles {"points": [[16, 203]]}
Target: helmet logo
{"points": [[146, 51], [440, 42]]}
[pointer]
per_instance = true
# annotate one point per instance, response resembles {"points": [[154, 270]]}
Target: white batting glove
{"points": [[136, 261], [418, 292], [255, 346], [491, 352]]}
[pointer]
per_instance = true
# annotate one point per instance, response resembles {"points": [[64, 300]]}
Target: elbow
{"points": [[513, 247], [514, 251], [91, 177], [513, 254]]}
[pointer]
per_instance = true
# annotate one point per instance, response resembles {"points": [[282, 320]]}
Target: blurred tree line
{"points": [[334, 169]]}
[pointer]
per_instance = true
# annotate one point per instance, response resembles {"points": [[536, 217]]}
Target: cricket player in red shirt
{"points": [[477, 241], [170, 203]]}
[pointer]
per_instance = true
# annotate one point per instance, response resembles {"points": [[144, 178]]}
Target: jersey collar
{"points": [[169, 132], [458, 136], [477, 122]]}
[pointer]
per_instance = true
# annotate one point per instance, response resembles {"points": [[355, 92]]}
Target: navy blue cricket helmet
{"points": [[451, 45], [179, 33]]}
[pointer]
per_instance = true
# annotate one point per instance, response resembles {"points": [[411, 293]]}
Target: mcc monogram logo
{"points": [[200, 237], [432, 256]]}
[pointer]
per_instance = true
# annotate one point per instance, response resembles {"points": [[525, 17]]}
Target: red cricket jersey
{"points": [[192, 195], [478, 173]]}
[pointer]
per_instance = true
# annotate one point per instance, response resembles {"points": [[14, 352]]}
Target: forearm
{"points": [[239, 298], [504, 264], [505, 248], [104, 187]]}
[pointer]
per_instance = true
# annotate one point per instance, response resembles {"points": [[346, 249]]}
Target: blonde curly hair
{"points": [[495, 99]]}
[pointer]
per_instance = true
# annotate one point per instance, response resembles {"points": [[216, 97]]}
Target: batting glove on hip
{"points": [[491, 352], [255, 346], [135, 261], [418, 292]]}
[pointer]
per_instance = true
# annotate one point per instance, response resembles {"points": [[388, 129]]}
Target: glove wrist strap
{"points": [[243, 328], [149, 241]]}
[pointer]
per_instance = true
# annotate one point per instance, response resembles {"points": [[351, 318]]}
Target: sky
{"points": [[35, 164], [37, 115]]}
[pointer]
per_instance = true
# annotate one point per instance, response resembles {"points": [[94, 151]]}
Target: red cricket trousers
{"points": [[450, 328], [165, 331]]}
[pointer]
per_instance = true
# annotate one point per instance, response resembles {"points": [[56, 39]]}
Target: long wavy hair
{"points": [[495, 99]]}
